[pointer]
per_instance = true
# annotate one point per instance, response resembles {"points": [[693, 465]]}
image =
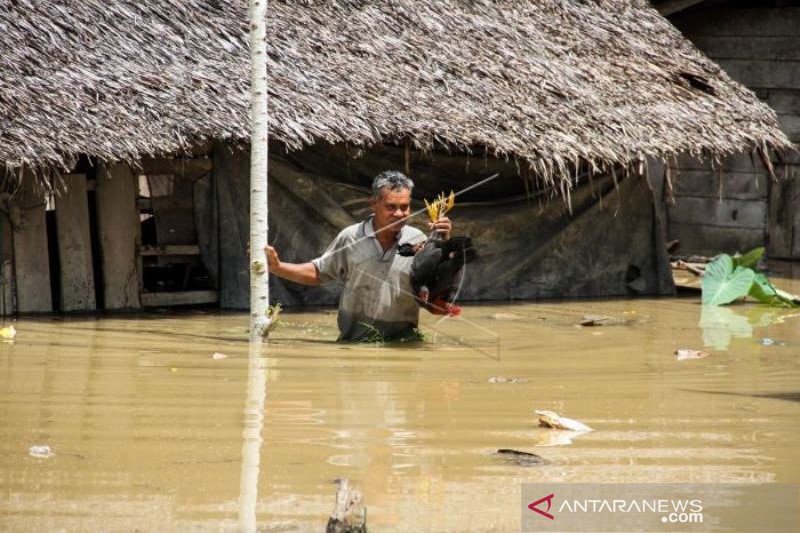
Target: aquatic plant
{"points": [[727, 279]]}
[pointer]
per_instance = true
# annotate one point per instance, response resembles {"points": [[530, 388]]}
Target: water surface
{"points": [[147, 428]]}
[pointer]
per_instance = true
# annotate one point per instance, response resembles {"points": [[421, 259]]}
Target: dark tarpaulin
{"points": [[612, 243]]}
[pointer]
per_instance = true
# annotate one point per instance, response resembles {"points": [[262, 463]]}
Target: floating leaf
{"points": [[723, 284]]}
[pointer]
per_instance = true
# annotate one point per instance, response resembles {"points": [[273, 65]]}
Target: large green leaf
{"points": [[723, 284], [750, 259]]}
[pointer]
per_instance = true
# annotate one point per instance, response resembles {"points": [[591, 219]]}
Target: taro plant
{"points": [[728, 279]]}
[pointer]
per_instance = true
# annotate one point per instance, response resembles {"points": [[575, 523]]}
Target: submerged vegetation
{"points": [[375, 336], [728, 279]]}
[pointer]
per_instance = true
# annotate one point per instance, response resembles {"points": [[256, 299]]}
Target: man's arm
{"points": [[303, 273]]}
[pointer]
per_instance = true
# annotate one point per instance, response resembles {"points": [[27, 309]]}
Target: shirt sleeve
{"points": [[332, 265]]}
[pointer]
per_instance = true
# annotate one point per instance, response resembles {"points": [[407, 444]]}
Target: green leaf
{"points": [[750, 259], [723, 284], [762, 290], [788, 298]]}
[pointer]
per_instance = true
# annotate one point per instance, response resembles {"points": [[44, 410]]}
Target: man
{"points": [[377, 294]]}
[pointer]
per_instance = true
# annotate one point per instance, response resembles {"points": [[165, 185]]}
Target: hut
{"points": [[732, 204], [135, 115]]}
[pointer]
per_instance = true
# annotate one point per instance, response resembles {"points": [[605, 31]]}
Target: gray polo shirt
{"points": [[377, 290]]}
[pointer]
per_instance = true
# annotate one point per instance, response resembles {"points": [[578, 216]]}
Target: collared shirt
{"points": [[377, 294]]}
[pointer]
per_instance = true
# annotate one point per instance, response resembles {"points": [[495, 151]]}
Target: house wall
{"points": [[758, 44]]}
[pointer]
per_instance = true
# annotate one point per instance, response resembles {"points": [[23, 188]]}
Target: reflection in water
{"points": [[251, 446], [721, 324], [146, 427]]}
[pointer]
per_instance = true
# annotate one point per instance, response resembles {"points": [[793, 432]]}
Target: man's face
{"points": [[391, 208]]}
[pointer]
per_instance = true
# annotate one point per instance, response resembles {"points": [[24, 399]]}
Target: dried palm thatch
{"points": [[550, 82]]}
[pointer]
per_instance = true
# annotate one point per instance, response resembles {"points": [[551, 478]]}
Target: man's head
{"points": [[391, 200]]}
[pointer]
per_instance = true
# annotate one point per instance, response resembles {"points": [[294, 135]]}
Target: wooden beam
{"points": [[181, 168], [165, 299], [75, 245], [178, 203], [119, 232], [670, 7], [171, 249], [31, 260]]}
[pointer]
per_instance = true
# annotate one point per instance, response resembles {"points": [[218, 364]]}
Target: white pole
{"points": [[259, 276], [259, 120]]}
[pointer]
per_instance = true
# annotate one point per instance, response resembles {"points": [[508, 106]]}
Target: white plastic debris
{"points": [[40, 451], [549, 419], [8, 333], [218, 355], [684, 354]]}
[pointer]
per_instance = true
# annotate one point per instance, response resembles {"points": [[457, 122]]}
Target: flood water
{"points": [[145, 427]]}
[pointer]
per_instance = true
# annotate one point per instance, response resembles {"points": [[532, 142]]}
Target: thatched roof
{"points": [[548, 81]]}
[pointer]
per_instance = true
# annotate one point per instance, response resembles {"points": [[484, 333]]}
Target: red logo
{"points": [[548, 499]]}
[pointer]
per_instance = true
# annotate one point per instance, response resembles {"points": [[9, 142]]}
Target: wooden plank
{"points": [[31, 260], [764, 47], [118, 228], [232, 180], [740, 214], [7, 284], [790, 124], [697, 239], [784, 101], [758, 74], [164, 299], [735, 185], [738, 22], [75, 245], [172, 249], [742, 162], [174, 202], [784, 219], [191, 168]]}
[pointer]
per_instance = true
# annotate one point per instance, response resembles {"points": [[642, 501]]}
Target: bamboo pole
{"points": [[259, 120]]}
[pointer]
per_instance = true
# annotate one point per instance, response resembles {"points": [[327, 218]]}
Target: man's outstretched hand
{"points": [[273, 261], [443, 226]]}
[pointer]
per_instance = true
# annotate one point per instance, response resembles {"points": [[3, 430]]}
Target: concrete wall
{"points": [[758, 44]]}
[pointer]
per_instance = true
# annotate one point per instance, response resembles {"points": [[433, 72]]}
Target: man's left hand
{"points": [[443, 226]]}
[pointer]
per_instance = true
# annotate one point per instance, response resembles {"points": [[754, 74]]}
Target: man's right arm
{"points": [[303, 273]]}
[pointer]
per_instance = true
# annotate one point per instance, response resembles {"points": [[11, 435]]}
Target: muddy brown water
{"points": [[149, 432]]}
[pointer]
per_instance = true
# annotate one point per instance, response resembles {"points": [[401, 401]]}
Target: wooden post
{"points": [[7, 306], [31, 260], [350, 513], [75, 246], [119, 235], [232, 180]]}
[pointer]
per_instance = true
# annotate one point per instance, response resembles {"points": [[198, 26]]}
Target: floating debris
{"points": [[8, 333], [684, 354], [216, 356], [350, 513], [506, 316], [600, 320], [556, 438], [549, 419], [766, 341], [502, 379], [40, 451], [519, 458]]}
